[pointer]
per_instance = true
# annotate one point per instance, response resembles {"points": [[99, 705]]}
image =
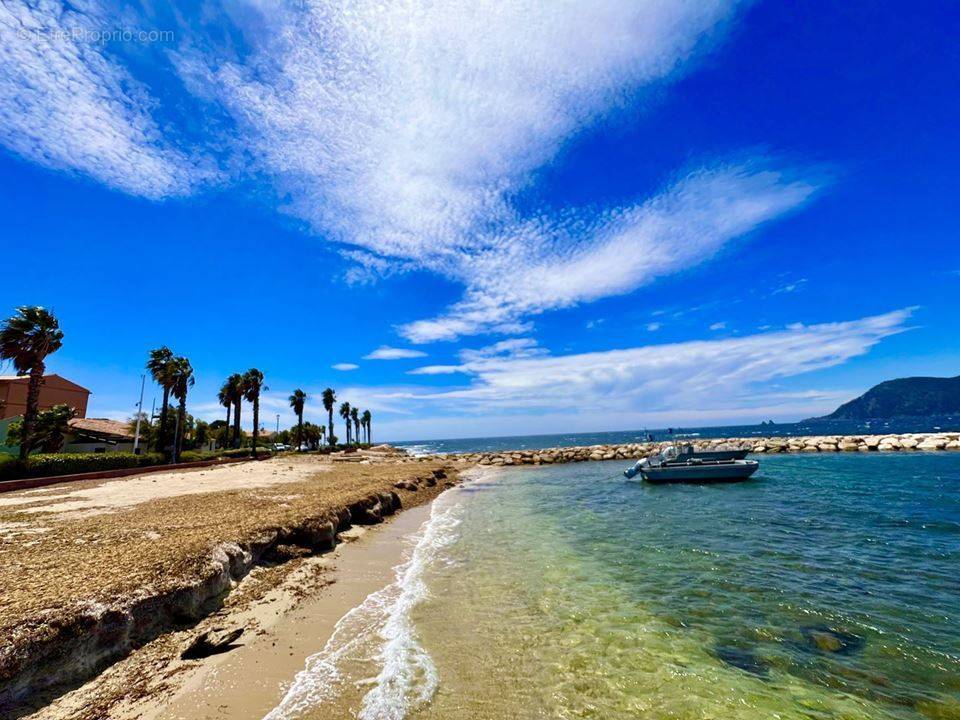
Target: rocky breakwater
{"points": [[909, 442]]}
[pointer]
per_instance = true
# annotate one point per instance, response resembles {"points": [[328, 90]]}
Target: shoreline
{"points": [[885, 443], [107, 638], [252, 680]]}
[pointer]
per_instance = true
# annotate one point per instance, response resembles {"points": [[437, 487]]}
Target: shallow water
{"points": [[827, 587]]}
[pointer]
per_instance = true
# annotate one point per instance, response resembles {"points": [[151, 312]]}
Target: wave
{"points": [[407, 677]]}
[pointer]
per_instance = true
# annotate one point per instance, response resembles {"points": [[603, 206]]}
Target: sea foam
{"points": [[380, 631]]}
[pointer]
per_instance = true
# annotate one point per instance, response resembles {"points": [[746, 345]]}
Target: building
{"points": [[54, 390], [99, 435]]}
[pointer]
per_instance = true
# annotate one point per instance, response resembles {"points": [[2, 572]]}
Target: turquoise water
{"points": [[827, 587]]}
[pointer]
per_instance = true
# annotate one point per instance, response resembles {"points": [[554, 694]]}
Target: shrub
{"points": [[10, 467], [42, 465]]}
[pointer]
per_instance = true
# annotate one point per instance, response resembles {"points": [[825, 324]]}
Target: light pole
{"points": [[136, 433]]}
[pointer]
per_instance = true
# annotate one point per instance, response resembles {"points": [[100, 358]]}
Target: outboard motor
{"points": [[634, 470]]}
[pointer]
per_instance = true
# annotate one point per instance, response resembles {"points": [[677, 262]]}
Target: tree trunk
{"points": [[236, 425], [162, 435], [226, 428], [299, 430], [178, 440], [330, 426], [256, 423], [33, 407]]}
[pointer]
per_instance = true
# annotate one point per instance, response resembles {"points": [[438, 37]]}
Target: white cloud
{"points": [[511, 348], [654, 326], [436, 370], [696, 382], [385, 352], [732, 373], [403, 131], [398, 126], [543, 265], [345, 366], [66, 105], [718, 326]]}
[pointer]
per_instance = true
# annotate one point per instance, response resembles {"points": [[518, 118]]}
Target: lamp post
{"points": [[136, 433]]}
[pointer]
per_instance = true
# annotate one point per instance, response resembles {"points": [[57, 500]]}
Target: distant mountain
{"points": [[905, 397]]}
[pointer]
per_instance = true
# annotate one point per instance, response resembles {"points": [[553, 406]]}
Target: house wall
{"points": [[53, 391]]}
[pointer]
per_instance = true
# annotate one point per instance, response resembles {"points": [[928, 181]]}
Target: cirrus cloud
{"points": [[385, 352]]}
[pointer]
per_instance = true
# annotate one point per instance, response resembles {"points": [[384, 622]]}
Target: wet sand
{"points": [[250, 681]]}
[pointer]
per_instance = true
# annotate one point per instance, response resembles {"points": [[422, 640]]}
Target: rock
{"points": [[825, 639], [743, 660], [211, 642]]}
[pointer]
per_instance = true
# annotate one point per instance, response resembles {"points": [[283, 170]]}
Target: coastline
{"points": [[288, 593], [905, 442], [249, 682], [147, 567]]}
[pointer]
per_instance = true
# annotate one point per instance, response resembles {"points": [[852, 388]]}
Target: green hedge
{"points": [[43, 465], [52, 464]]}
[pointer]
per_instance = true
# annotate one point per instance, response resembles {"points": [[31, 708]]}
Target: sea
{"points": [[806, 427], [827, 586]]}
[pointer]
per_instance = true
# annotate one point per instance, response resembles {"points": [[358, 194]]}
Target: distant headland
{"points": [[904, 397]]}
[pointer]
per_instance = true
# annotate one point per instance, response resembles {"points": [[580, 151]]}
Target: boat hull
{"points": [[723, 472]]}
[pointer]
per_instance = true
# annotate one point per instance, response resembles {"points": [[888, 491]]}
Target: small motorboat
{"points": [[684, 465]]}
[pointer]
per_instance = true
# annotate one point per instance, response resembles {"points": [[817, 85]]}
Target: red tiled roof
{"points": [[103, 427]]}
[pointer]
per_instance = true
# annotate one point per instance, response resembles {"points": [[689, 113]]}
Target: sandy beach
{"points": [[112, 580]]}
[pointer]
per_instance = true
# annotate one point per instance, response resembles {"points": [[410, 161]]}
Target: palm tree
{"points": [[160, 366], [355, 416], [329, 398], [297, 400], [236, 383], [252, 385], [345, 414], [182, 381], [365, 421], [26, 339], [225, 396]]}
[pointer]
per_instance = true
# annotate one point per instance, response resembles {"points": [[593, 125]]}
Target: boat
{"points": [[684, 465], [687, 452]]}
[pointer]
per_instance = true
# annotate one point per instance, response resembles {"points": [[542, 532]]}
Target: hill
{"points": [[904, 397]]}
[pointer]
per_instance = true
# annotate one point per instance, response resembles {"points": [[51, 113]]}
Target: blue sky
{"points": [[509, 217]]}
